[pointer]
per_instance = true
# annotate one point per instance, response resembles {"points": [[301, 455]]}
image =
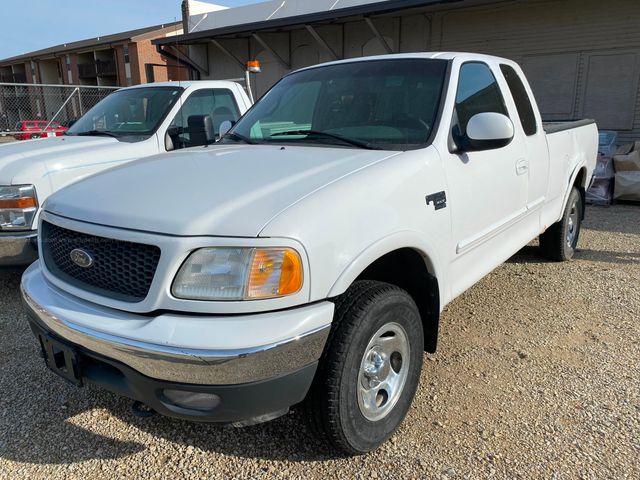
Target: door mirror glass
{"points": [[488, 131], [225, 127]]}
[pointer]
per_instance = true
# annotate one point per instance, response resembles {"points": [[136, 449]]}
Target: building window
{"points": [[127, 65]]}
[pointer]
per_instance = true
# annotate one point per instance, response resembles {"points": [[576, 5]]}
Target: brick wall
{"points": [[146, 52]]}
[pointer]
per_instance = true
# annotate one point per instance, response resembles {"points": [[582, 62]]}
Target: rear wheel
{"points": [[370, 369], [560, 240]]}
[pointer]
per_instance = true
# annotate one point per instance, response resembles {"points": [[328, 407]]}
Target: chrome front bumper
{"points": [[18, 249], [62, 314]]}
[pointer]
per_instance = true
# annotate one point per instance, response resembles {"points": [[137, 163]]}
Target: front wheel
{"points": [[370, 369], [560, 240]]}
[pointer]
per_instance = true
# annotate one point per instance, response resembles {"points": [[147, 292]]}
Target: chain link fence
{"points": [[45, 106]]}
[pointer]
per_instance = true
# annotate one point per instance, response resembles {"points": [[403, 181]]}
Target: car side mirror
{"points": [[225, 127], [200, 130], [171, 138], [488, 131]]}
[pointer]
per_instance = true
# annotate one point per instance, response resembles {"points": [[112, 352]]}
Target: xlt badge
{"points": [[439, 200]]}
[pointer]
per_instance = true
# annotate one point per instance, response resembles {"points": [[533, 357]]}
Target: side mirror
{"points": [[171, 138], [225, 127], [200, 130], [488, 131]]}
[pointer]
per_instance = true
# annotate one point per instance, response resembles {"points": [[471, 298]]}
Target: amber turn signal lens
{"points": [[19, 203], [290, 273], [261, 269], [275, 272]]}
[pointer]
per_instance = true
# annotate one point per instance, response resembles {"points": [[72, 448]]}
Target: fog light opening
{"points": [[198, 401]]}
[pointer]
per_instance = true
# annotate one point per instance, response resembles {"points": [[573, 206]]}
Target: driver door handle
{"points": [[522, 166]]}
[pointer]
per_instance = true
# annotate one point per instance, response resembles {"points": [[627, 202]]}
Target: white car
{"points": [[307, 256], [129, 124]]}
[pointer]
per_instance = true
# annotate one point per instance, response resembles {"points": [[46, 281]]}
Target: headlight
{"points": [[18, 207], [239, 274]]}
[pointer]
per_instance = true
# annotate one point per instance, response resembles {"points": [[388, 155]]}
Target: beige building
{"points": [[581, 56], [122, 59]]}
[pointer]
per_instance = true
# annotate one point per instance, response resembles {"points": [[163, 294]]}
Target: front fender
{"points": [[403, 239]]}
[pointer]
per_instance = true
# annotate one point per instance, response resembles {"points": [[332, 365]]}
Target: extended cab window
{"points": [[378, 104], [218, 103], [521, 99], [478, 92]]}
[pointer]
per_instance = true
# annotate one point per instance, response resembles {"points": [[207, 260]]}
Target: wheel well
{"points": [[407, 269], [580, 183]]}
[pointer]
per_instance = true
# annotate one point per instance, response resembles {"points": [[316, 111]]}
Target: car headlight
{"points": [[18, 207], [239, 274]]}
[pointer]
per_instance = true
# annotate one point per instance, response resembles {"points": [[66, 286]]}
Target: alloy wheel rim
{"points": [[384, 369], [573, 224]]}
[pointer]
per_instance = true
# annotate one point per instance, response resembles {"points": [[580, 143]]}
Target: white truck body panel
{"points": [[51, 164], [348, 207], [341, 206]]}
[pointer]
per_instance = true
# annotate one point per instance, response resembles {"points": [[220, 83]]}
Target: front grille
{"points": [[120, 270]]}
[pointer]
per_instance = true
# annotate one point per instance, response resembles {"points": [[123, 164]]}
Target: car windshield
{"points": [[377, 104], [136, 111]]}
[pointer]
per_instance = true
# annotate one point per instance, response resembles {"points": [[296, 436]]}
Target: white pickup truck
{"points": [[307, 256], [129, 124]]}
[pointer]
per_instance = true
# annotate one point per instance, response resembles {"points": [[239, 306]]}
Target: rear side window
{"points": [[478, 92], [521, 99]]}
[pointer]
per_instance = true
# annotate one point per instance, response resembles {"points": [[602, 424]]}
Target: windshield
{"points": [[136, 111], [379, 104]]}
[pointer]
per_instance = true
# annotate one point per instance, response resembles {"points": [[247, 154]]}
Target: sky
{"points": [[36, 24]]}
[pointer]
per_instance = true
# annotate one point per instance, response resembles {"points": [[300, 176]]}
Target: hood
{"points": [[19, 160], [219, 191]]}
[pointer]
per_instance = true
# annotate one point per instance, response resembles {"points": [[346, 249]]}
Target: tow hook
{"points": [[142, 410]]}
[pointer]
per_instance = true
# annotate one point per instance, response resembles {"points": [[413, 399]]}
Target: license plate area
{"points": [[62, 359]]}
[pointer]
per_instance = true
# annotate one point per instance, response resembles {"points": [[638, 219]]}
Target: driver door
{"points": [[488, 189]]}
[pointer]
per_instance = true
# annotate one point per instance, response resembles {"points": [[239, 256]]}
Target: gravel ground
{"points": [[537, 376]]}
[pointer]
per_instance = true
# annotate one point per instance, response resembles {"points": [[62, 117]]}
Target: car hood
{"points": [[219, 191], [19, 159]]}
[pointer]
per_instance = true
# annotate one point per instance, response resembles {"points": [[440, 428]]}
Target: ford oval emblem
{"points": [[81, 258]]}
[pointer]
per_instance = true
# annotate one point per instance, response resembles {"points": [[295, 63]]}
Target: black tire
{"points": [[560, 241], [333, 403]]}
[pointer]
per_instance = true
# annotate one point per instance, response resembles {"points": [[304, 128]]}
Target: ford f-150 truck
{"points": [[127, 125], [305, 258]]}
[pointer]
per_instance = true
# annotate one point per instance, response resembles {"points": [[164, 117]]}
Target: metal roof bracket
{"points": [[228, 53], [378, 35], [273, 53], [325, 46], [181, 57]]}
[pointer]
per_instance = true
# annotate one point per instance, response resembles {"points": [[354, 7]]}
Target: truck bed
{"points": [[562, 125]]}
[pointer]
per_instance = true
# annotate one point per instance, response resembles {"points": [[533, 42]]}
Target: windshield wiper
{"points": [[242, 138], [97, 133], [350, 141]]}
